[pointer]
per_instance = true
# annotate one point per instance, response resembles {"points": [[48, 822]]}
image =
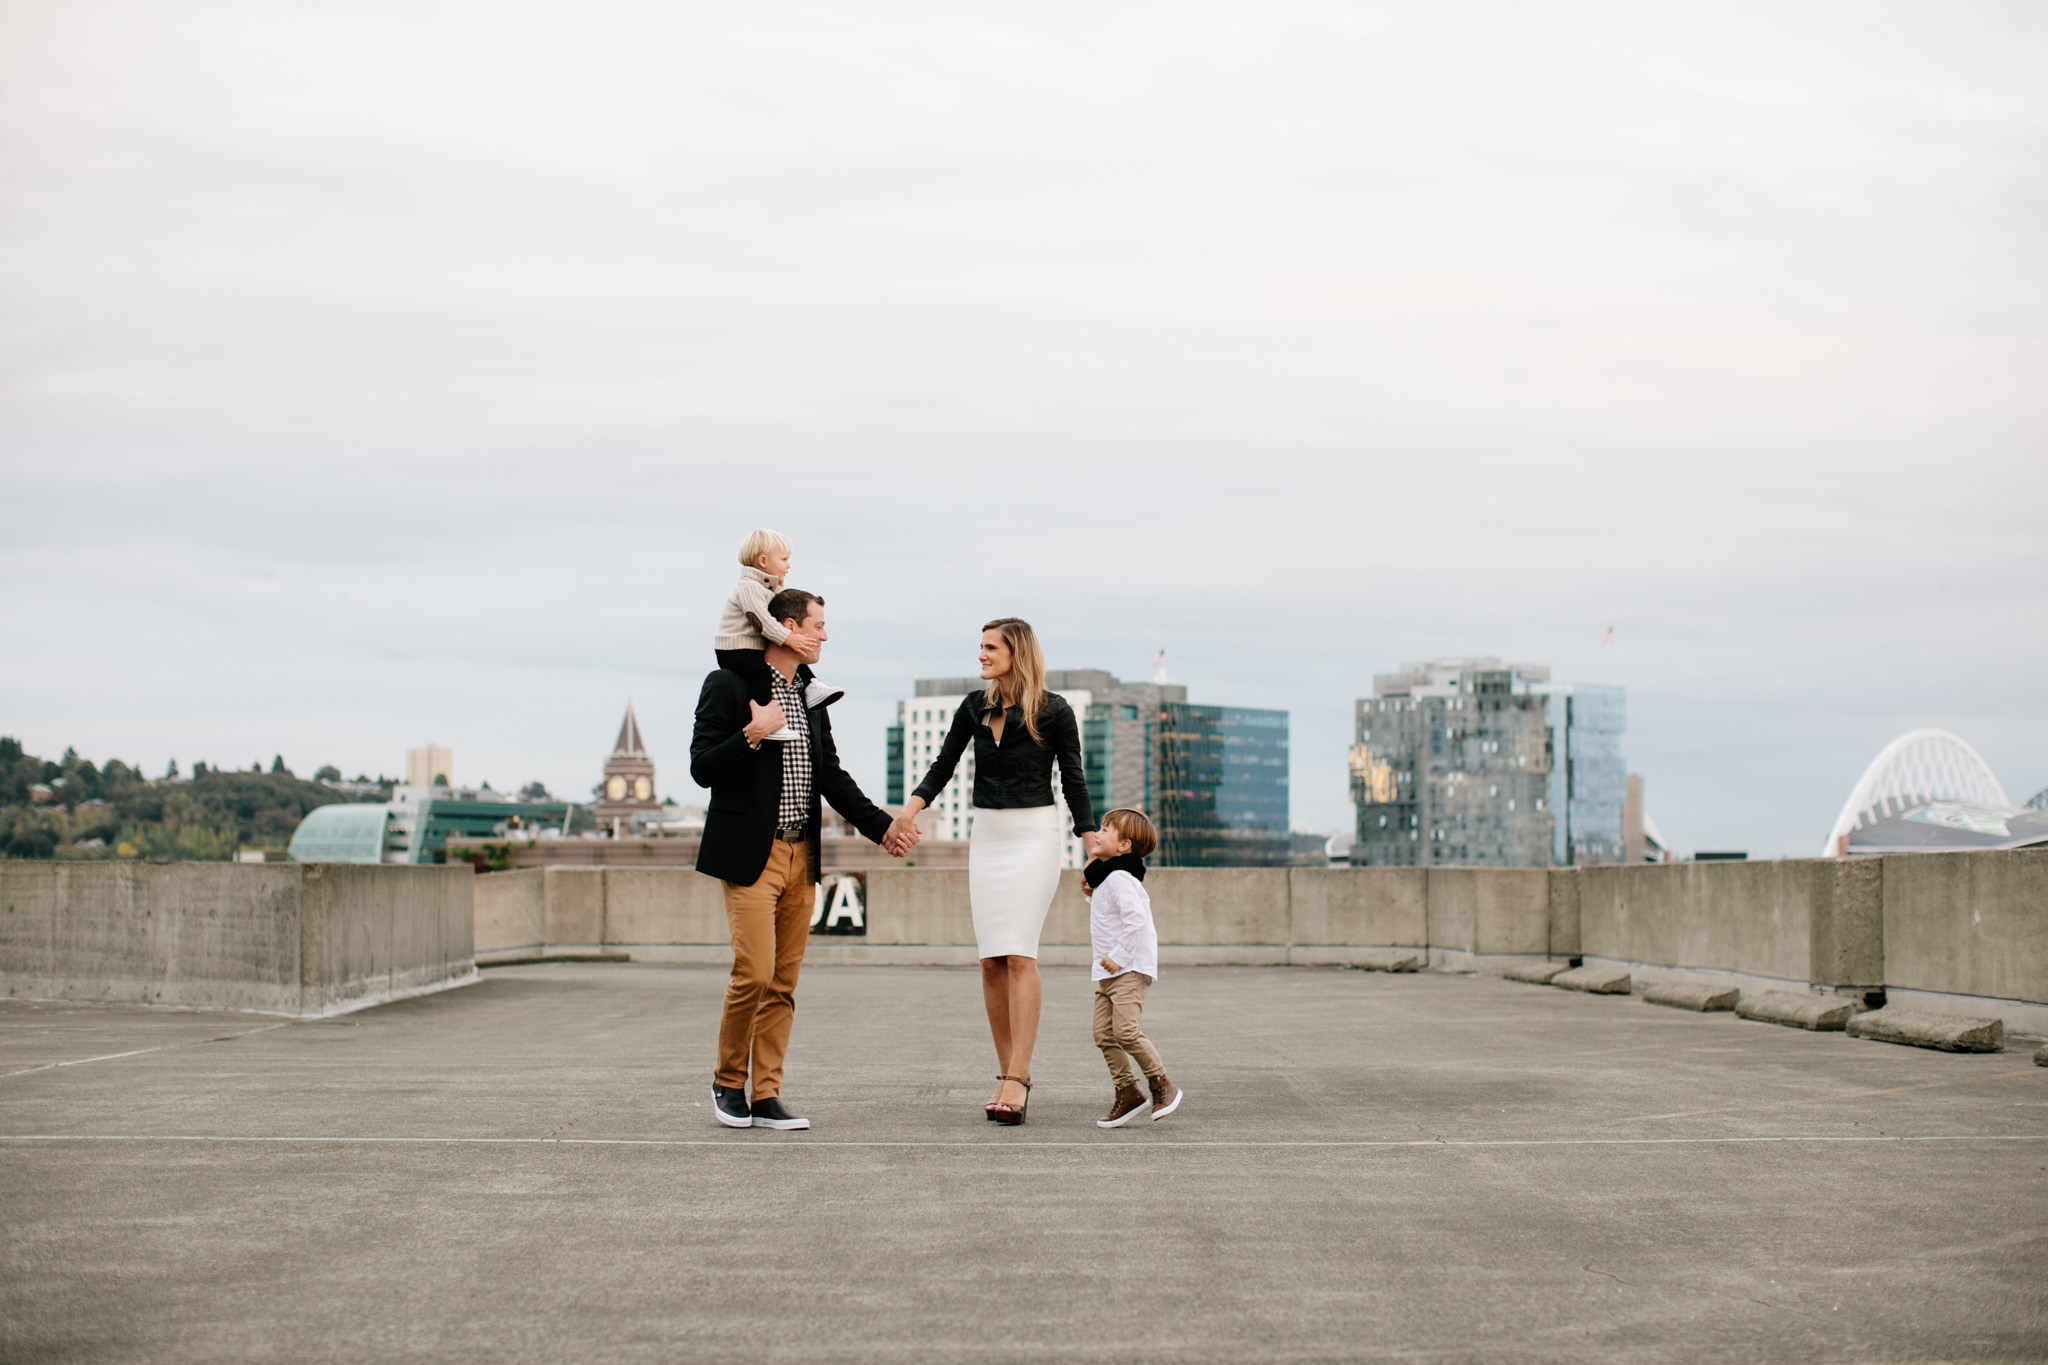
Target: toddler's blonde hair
{"points": [[763, 542]]}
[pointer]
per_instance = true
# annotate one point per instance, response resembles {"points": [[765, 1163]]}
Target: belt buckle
{"points": [[790, 834]]}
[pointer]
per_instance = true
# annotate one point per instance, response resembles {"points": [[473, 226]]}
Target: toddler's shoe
{"points": [[1165, 1097], [782, 736], [820, 694], [1130, 1104]]}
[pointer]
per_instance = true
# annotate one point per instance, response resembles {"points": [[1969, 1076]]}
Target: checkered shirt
{"points": [[795, 806]]}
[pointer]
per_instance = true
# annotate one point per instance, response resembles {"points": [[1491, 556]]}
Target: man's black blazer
{"points": [[746, 783]]}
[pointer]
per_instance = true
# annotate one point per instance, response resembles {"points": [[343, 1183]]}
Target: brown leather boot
{"points": [[1165, 1096], [1130, 1104]]}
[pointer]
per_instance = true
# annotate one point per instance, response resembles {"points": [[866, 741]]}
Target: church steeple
{"points": [[627, 793], [629, 736]]}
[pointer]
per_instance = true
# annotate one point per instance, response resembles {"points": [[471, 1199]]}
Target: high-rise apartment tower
{"points": [[1479, 763]]}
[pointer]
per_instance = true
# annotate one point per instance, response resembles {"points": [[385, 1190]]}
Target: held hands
{"points": [[902, 836], [767, 720], [803, 644]]}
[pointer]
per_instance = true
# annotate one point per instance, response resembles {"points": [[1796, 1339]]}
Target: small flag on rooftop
{"points": [[1159, 667], [1607, 636]]}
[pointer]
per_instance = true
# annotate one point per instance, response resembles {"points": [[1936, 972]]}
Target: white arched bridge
{"points": [[1918, 768]]}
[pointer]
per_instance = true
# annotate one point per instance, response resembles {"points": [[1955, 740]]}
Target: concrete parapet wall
{"points": [[1333, 916], [1968, 924], [511, 912], [284, 938], [1950, 927], [1963, 932], [1811, 920]]}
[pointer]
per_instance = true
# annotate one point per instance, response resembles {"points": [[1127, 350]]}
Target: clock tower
{"points": [[628, 787]]}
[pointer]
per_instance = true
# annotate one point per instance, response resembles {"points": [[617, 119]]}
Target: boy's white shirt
{"points": [[752, 594], [1120, 928]]}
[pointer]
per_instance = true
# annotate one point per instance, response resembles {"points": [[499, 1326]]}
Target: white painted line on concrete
{"points": [[116, 1056], [786, 1141]]}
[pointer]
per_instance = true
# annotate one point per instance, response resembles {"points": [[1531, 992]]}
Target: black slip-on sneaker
{"points": [[729, 1102], [769, 1113]]}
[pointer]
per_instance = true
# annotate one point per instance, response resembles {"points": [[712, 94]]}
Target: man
{"points": [[761, 840]]}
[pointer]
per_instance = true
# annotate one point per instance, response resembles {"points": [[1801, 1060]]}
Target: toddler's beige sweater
{"points": [[735, 631]]}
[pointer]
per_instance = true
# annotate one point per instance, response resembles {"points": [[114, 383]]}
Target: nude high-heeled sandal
{"points": [[1013, 1114]]}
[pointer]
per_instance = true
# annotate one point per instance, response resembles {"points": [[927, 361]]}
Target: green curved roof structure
{"points": [[346, 832]]}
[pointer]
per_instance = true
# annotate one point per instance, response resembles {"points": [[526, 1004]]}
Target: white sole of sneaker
{"points": [[729, 1121], [783, 1125], [1178, 1096], [1137, 1113]]}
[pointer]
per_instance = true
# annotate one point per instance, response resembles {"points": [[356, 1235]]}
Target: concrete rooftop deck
{"points": [[1367, 1167]]}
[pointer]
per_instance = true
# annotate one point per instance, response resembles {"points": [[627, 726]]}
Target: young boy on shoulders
{"points": [[1125, 949], [746, 629]]}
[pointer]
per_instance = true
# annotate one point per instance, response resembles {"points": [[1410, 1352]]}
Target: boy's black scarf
{"points": [[1100, 868]]}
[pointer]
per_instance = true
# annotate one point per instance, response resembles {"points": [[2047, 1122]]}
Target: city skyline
{"points": [[348, 407]]}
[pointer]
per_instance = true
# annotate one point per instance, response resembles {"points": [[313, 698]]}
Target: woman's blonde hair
{"points": [[1027, 672], [763, 543]]}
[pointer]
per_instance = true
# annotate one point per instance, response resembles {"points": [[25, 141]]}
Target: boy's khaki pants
{"points": [[1118, 1003], [771, 924]]}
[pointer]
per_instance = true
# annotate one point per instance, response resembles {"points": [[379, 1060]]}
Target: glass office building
{"points": [[1589, 781], [1477, 763]]}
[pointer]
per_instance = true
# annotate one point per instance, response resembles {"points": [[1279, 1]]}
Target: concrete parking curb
{"points": [[1594, 980], [1686, 995], [2041, 1055], [1388, 962], [1821, 1013], [1924, 1028], [1536, 973]]}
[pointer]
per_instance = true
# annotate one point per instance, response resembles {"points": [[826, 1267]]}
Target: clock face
{"points": [[615, 787], [642, 789]]}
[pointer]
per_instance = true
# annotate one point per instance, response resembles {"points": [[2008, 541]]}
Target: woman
{"points": [[1013, 856]]}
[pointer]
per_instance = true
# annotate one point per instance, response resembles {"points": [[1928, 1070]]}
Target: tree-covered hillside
{"points": [[73, 808]]}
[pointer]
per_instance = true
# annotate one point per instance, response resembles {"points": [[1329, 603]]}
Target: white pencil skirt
{"points": [[1013, 868]]}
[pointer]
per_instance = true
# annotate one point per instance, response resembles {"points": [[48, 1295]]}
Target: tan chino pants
{"points": [[1118, 1003], [770, 923]]}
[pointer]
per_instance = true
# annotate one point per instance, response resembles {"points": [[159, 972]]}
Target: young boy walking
{"points": [[1126, 963]]}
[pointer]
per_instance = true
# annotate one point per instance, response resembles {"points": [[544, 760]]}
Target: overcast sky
{"points": [[383, 373]]}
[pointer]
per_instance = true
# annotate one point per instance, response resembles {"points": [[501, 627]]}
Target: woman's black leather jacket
{"points": [[1016, 773]]}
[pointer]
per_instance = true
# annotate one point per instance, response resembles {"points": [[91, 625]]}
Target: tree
{"points": [[10, 748], [198, 770], [328, 773], [277, 765], [29, 834], [171, 771]]}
